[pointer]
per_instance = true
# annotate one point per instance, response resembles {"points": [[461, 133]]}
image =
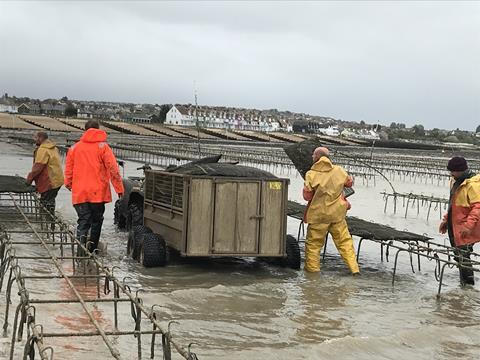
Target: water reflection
{"points": [[322, 302]]}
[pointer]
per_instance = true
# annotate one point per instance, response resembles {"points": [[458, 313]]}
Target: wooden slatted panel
{"points": [[272, 233], [225, 214], [247, 222], [200, 212]]}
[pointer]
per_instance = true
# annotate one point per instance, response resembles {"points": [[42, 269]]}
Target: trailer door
{"points": [[237, 217]]}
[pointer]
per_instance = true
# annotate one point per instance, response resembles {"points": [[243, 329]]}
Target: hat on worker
{"points": [[457, 163]]}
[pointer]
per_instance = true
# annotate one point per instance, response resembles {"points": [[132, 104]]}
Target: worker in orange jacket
{"points": [[326, 211], [89, 168], [462, 221]]}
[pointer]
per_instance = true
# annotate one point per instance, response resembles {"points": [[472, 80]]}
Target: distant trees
{"points": [[435, 133], [162, 114], [478, 129], [395, 125], [164, 109], [418, 130], [71, 111]]}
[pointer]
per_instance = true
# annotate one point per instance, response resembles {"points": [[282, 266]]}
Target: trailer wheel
{"points": [[153, 251], [135, 215], [293, 258], [135, 239], [118, 218]]}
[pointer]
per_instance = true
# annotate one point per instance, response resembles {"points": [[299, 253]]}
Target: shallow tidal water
{"points": [[244, 309]]}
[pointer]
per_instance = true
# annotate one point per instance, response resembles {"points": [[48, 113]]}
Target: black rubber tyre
{"points": [[153, 251], [118, 218], [135, 215], [137, 245], [293, 258], [135, 239]]}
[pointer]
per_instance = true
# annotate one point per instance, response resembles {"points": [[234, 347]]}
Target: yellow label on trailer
{"points": [[276, 185]]}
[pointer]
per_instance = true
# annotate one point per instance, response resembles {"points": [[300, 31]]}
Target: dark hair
{"points": [[92, 124], [43, 135]]}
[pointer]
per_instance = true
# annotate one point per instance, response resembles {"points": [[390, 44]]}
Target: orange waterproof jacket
{"points": [[323, 189], [90, 167], [465, 208], [47, 167]]}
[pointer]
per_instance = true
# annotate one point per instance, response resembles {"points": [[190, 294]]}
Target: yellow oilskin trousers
{"points": [[316, 234]]}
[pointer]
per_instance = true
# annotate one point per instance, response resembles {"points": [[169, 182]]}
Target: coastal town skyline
{"points": [[407, 62]]}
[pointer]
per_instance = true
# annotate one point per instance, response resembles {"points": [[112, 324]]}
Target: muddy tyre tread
{"points": [[134, 216], [154, 250], [135, 238], [293, 258], [118, 218]]}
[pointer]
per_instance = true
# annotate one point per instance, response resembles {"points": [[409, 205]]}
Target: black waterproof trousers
{"points": [[90, 218], [47, 199], [462, 257]]}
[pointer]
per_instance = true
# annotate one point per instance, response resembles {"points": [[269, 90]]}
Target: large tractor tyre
{"points": [[130, 243], [153, 251], [135, 238], [293, 258], [118, 218], [135, 215]]}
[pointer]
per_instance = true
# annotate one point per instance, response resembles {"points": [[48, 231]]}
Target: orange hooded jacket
{"points": [[465, 208], [90, 167]]}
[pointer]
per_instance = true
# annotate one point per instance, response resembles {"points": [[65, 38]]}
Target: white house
{"points": [[84, 114], [361, 134], [331, 131], [273, 125], [178, 115], [8, 108]]}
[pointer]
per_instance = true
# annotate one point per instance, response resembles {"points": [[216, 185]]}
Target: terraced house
{"points": [[222, 118]]}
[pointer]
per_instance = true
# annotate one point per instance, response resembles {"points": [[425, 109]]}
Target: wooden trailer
{"points": [[215, 216]]}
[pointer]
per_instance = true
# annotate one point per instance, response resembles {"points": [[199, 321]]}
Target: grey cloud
{"points": [[412, 62]]}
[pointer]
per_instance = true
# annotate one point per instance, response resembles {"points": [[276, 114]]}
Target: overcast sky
{"points": [[411, 62]]}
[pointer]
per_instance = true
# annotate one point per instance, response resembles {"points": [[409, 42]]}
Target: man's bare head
{"points": [[40, 137], [319, 152]]}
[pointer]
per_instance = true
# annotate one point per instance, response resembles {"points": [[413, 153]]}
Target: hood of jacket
{"points": [[93, 135], [323, 165], [475, 178], [48, 144]]}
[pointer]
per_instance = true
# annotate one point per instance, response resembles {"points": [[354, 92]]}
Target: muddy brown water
{"points": [[244, 309]]}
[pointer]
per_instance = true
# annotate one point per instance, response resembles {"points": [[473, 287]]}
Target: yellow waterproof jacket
{"points": [[465, 211], [324, 184], [47, 167]]}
